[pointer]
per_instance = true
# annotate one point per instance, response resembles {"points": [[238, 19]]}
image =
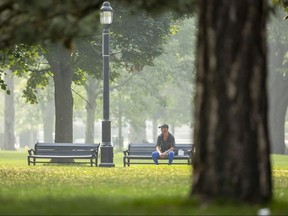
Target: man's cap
{"points": [[163, 126]]}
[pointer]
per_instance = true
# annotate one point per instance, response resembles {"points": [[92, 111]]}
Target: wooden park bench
{"points": [[63, 152], [142, 154]]}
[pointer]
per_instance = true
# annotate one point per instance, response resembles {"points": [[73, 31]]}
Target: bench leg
{"points": [[28, 161], [190, 161], [124, 162]]}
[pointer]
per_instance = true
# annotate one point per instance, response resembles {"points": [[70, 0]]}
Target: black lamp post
{"points": [[106, 148]]}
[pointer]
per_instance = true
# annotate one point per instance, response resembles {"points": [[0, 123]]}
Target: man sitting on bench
{"points": [[165, 145]]}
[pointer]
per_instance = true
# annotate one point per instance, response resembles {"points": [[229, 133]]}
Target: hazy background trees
{"points": [[277, 82]]}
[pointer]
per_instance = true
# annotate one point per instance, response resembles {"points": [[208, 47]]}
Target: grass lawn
{"points": [[139, 189]]}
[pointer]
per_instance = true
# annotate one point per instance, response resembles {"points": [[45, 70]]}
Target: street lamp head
{"points": [[106, 14]]}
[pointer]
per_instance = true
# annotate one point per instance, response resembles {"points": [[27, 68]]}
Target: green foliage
{"points": [[139, 189], [159, 6], [36, 21], [138, 38], [63, 21], [26, 61], [3, 86], [31, 91], [282, 3], [19, 56], [174, 29], [88, 58]]}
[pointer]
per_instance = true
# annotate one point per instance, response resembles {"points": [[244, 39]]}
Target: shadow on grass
{"points": [[91, 205]]}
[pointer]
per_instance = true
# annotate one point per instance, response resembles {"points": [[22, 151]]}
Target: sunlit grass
{"points": [[139, 189]]}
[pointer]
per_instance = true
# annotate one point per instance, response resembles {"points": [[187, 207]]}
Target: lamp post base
{"points": [[106, 153]]}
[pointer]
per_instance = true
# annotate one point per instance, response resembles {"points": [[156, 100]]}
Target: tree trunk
{"points": [[60, 60], [9, 113], [138, 132], [231, 132], [92, 93], [48, 113], [120, 123], [62, 76], [63, 98]]}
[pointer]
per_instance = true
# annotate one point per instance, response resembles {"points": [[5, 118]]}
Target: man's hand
{"points": [[162, 155]]}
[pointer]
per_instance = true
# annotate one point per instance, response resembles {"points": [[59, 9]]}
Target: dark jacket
{"points": [[165, 145]]}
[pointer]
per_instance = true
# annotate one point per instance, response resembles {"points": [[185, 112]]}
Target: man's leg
{"points": [[170, 157], [155, 156]]}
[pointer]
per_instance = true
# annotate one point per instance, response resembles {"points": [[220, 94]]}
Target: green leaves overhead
{"points": [[23, 59], [33, 21], [138, 38]]}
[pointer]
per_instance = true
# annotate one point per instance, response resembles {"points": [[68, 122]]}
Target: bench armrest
{"points": [[94, 152], [125, 152], [189, 152], [31, 151]]}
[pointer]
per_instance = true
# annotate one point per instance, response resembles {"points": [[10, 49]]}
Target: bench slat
{"points": [[62, 156]]}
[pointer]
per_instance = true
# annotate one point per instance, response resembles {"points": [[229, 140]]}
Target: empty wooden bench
{"points": [[88, 153], [142, 154]]}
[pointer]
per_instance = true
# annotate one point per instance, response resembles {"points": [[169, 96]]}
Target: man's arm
{"points": [[158, 145], [170, 149], [172, 146], [158, 149]]}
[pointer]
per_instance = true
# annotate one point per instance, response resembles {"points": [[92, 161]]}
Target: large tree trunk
{"points": [[231, 133], [59, 59], [9, 113], [62, 76]]}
